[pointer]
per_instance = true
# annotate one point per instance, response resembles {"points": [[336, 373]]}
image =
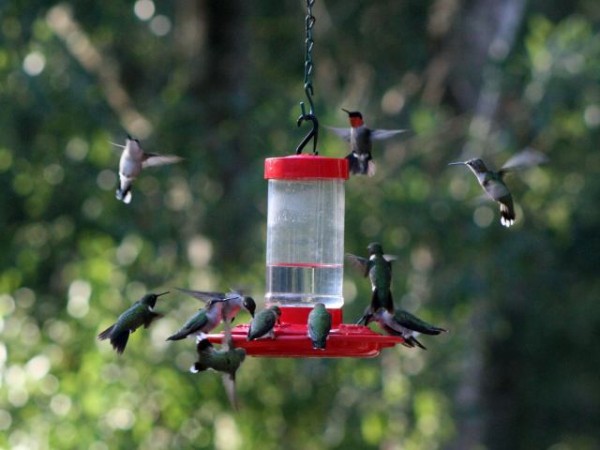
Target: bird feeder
{"points": [[304, 261], [305, 247]]}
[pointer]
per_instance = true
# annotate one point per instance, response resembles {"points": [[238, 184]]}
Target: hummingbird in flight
{"points": [[404, 324], [263, 323], [360, 159], [492, 181], [140, 313], [318, 326], [378, 267], [226, 360], [230, 303], [133, 160]]}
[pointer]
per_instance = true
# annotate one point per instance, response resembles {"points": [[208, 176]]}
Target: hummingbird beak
{"points": [[345, 110], [158, 295], [459, 163]]}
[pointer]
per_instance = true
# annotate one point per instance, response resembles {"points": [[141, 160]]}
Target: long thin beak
{"points": [[459, 163], [345, 110], [117, 145], [158, 295]]}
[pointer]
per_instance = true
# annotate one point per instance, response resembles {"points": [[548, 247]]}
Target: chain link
{"points": [[309, 23]]}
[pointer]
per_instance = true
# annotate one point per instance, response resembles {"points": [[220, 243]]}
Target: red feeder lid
{"points": [[291, 339], [306, 166]]}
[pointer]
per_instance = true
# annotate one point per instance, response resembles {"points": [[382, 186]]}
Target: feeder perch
{"points": [[305, 261]]}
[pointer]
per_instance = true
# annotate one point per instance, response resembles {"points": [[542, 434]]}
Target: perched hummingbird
{"points": [[378, 267], [404, 324], [361, 141], [318, 326], [227, 361], [492, 182], [140, 313], [204, 321], [231, 302], [263, 323], [133, 160]]}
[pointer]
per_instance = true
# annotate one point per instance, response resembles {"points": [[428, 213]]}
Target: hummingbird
{"points": [[133, 160], [318, 326], [404, 324], [378, 267], [204, 321], [227, 360], [230, 302], [361, 141], [493, 184], [140, 313], [263, 323]]}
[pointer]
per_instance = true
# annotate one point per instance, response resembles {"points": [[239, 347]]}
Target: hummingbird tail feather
{"points": [[507, 215], [106, 333], [119, 341], [124, 195], [413, 340], [319, 344], [356, 165]]}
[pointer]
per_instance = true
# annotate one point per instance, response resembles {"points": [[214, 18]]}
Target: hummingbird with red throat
{"points": [[361, 140]]}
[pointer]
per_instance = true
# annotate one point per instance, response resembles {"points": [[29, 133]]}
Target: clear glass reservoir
{"points": [[305, 230]]}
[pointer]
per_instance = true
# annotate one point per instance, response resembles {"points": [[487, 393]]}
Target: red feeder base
{"points": [[291, 340]]}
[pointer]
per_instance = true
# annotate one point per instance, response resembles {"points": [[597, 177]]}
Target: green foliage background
{"points": [[219, 83]]}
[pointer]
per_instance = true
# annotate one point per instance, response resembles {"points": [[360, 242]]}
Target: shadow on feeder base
{"points": [[291, 340]]}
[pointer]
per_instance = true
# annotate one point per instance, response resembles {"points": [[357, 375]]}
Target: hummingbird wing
{"points": [[151, 318], [524, 160], [359, 263], [344, 133], [205, 296], [380, 135], [152, 160], [227, 337], [496, 189], [262, 324], [229, 384], [194, 324], [407, 320]]}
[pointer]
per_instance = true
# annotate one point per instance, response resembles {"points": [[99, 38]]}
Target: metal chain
{"points": [[309, 22]]}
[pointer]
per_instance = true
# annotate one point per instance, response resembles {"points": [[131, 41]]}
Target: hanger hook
{"points": [[312, 134]]}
